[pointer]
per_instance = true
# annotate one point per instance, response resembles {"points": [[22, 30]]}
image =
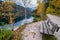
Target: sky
{"points": [[31, 5]]}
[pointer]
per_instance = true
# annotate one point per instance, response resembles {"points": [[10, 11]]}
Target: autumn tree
{"points": [[53, 7], [40, 8], [7, 9]]}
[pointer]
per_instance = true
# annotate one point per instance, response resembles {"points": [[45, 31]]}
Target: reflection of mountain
{"points": [[19, 11]]}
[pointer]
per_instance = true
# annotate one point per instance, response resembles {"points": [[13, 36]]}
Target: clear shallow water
{"points": [[22, 22]]}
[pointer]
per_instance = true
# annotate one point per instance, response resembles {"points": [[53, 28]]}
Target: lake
{"points": [[20, 22]]}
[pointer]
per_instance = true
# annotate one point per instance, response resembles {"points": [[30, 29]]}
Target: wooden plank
{"points": [[45, 28], [49, 30], [42, 28], [55, 26]]}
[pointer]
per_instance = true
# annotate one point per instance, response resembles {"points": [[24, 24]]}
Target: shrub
{"points": [[5, 34], [48, 37]]}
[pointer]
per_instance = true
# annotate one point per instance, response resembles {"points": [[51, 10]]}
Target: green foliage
{"points": [[36, 17], [39, 17], [48, 37], [5, 34], [2, 23], [43, 16], [20, 36]]}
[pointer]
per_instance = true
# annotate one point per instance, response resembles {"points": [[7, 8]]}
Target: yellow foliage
{"points": [[1, 8], [11, 20], [40, 8], [49, 10], [56, 3], [7, 6]]}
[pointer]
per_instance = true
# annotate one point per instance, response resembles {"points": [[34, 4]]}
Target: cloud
{"points": [[32, 4]]}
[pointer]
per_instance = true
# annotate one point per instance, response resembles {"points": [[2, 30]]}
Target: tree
{"points": [[49, 10], [54, 6], [11, 15], [26, 3], [7, 9], [40, 8]]}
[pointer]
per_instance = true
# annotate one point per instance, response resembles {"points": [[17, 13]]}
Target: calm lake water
{"points": [[20, 22]]}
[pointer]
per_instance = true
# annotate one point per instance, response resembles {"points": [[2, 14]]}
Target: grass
{"points": [[6, 34], [48, 37], [20, 36], [36, 17], [43, 16]]}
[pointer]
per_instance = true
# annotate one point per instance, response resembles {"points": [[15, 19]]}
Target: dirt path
{"points": [[16, 33], [32, 32]]}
